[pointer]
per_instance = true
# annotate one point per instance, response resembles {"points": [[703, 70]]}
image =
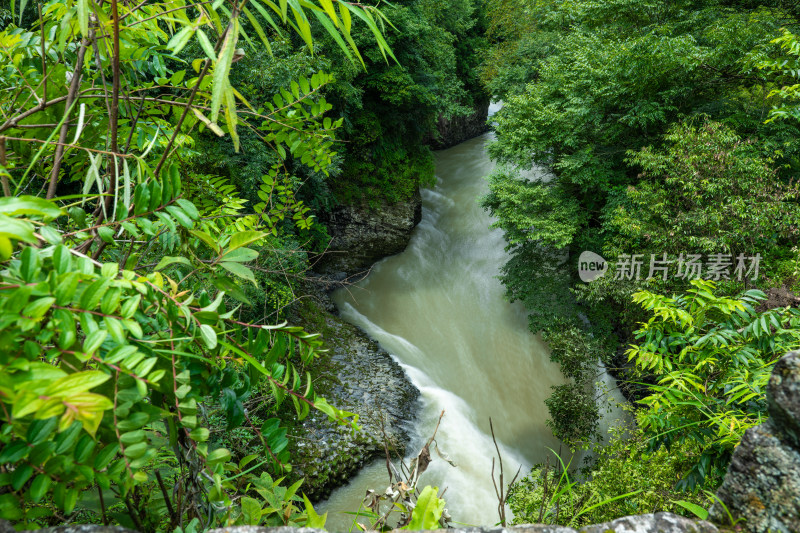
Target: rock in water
{"points": [[762, 485]]}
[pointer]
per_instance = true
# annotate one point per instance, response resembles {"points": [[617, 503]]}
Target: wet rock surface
{"points": [[358, 376], [762, 485], [647, 523], [361, 235]]}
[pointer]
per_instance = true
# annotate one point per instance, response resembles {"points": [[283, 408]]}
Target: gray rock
{"points": [[652, 523], [783, 397], [762, 485], [361, 235], [455, 130], [85, 528], [360, 377], [648, 523]]}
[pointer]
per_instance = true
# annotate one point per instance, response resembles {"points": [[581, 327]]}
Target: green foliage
{"points": [[428, 511], [626, 479], [391, 110], [574, 413], [120, 333], [710, 358], [529, 210], [650, 119], [708, 192], [786, 69]]}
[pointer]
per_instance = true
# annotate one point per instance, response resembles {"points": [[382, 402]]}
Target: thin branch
{"points": [[4, 162], [71, 95]]}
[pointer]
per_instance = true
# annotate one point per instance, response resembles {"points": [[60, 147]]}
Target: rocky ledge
{"points": [[647, 523], [762, 485], [356, 375], [361, 235], [459, 129]]}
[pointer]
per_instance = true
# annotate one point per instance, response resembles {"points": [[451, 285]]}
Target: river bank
{"points": [[440, 310], [357, 374]]}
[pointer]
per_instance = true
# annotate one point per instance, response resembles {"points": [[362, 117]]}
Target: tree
{"points": [[707, 192], [119, 319]]}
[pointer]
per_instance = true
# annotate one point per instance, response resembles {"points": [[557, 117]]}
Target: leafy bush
{"points": [[625, 467], [710, 358], [120, 334]]}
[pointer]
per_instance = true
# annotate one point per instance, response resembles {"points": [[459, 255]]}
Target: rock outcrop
{"points": [[762, 485], [359, 376], [646, 523], [362, 235], [459, 129]]}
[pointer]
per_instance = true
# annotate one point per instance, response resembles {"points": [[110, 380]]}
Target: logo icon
{"points": [[591, 266]]}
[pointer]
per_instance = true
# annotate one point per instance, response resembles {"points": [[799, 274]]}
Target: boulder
{"points": [[362, 235], [762, 485]]}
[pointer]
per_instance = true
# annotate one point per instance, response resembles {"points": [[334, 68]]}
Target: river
{"points": [[439, 309]]}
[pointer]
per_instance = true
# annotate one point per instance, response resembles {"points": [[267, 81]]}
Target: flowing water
{"points": [[439, 309]]}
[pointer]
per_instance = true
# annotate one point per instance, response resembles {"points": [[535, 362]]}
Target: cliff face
{"points": [[361, 236], [762, 485], [459, 129]]}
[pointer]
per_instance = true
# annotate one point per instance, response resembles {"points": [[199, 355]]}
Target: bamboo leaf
{"points": [[222, 68]]}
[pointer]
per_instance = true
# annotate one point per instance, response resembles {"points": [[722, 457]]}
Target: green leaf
{"points": [[222, 68], [77, 382], [220, 455], [132, 437], [29, 205], [94, 340], [180, 39], [199, 434], [105, 456], [314, 520], [92, 294], [21, 475], [40, 430], [243, 238], [428, 511], [106, 233], [182, 218], [39, 487], [241, 255], [209, 336], [206, 45], [693, 508], [13, 228], [239, 270], [37, 308], [189, 208], [50, 234], [170, 260], [83, 17], [206, 238]]}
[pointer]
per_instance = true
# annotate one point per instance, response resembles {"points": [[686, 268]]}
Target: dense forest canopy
{"points": [[163, 164], [671, 130]]}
